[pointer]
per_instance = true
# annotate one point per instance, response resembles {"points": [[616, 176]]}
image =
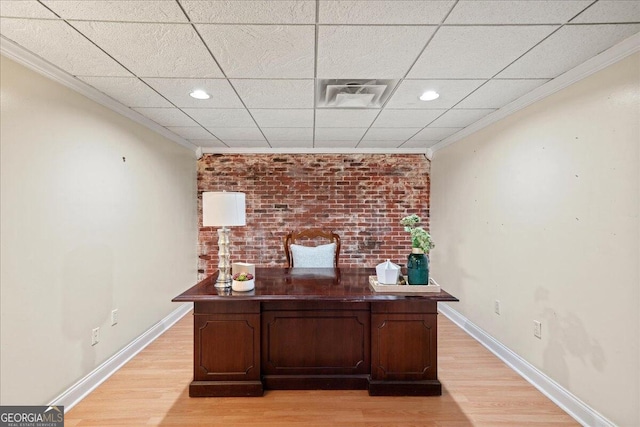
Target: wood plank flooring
{"points": [[478, 390]]}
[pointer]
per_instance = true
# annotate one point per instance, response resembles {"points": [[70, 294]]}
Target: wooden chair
{"points": [[312, 234]]}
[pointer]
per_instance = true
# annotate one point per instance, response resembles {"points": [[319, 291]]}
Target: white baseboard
{"points": [[559, 395], [554, 391], [74, 394]]}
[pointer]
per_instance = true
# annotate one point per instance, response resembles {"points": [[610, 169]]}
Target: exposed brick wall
{"points": [[361, 197]]}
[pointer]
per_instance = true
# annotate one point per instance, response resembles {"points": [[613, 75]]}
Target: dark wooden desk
{"points": [[313, 329]]}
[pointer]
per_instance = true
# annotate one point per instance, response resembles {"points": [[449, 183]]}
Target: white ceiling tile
{"points": [[167, 116], [251, 12], [339, 134], [340, 117], [460, 118], [568, 47], [406, 118], [288, 134], [130, 91], [61, 45], [357, 51], [419, 144], [476, 52], [248, 144], [269, 48], [221, 118], [207, 143], [515, 12], [335, 144], [153, 50], [451, 92], [390, 134], [383, 12], [177, 91], [262, 51], [291, 144], [191, 132], [498, 93], [434, 134], [124, 11], [610, 11], [237, 134], [275, 93], [25, 9], [379, 144], [285, 118]]}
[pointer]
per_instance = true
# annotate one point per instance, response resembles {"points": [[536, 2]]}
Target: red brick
{"points": [[361, 197]]}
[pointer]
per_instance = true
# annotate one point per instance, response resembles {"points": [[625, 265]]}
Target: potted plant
{"points": [[243, 282], [421, 244]]}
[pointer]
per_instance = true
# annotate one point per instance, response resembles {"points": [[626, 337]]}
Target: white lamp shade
{"points": [[223, 209]]}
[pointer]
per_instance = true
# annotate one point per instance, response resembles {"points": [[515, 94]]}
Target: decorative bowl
{"points": [[243, 286]]}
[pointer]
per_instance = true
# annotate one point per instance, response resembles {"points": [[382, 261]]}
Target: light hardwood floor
{"points": [[478, 390]]}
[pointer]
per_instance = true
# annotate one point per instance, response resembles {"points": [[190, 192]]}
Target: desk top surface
{"points": [[322, 284]]}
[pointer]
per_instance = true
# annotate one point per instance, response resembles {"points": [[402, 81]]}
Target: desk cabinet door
{"points": [[403, 347], [227, 347], [315, 342]]}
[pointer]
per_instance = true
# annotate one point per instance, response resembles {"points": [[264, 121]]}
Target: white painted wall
{"points": [[83, 232], [540, 211]]}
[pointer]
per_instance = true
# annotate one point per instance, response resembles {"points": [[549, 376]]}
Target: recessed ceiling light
{"points": [[429, 95], [199, 94]]}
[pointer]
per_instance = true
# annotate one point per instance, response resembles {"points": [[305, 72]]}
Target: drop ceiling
{"points": [[262, 62]]}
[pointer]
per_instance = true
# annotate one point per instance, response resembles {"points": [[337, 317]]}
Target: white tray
{"points": [[431, 287]]}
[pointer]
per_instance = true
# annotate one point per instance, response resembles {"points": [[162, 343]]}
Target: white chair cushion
{"points": [[321, 256]]}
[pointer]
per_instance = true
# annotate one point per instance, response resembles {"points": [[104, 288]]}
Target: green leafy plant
{"points": [[242, 277], [420, 238]]}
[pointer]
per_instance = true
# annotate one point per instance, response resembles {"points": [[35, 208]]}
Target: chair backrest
{"points": [[311, 234]]}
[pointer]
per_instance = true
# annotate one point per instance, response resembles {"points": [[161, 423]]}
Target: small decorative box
{"points": [[387, 273]]}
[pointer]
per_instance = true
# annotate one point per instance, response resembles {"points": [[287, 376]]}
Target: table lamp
{"points": [[223, 209]]}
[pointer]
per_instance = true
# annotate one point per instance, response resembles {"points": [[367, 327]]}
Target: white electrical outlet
{"points": [[496, 306], [95, 336], [537, 329], [114, 316]]}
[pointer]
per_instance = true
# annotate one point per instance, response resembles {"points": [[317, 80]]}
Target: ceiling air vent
{"points": [[353, 93]]}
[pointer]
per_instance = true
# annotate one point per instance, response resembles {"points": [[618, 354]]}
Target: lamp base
{"points": [[224, 264], [222, 283]]}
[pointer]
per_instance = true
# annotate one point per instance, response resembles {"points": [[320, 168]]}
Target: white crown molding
{"points": [[610, 56], [238, 150], [429, 153], [74, 394], [19, 54], [573, 406]]}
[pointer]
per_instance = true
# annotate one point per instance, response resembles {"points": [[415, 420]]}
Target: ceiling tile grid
{"points": [[262, 62], [117, 11], [167, 116], [46, 37], [153, 49], [129, 91], [375, 52], [251, 12], [221, 117], [475, 52], [262, 51]]}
